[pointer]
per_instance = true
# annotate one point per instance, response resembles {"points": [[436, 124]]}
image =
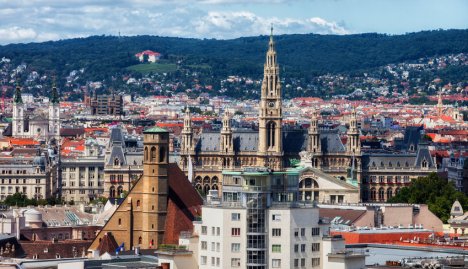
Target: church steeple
{"points": [[440, 105], [354, 143], [54, 98], [187, 132], [314, 134], [18, 99], [270, 114]]}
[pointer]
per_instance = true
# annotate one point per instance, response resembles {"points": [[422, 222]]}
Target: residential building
{"points": [[106, 104], [258, 222], [83, 176]]}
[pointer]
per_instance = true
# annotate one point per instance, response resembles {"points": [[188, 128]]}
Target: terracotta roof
{"points": [[107, 244], [23, 142], [184, 204]]}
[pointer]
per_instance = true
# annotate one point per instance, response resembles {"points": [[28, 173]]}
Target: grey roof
{"points": [[116, 136], [331, 142], [117, 151], [396, 160], [245, 141], [294, 141]]}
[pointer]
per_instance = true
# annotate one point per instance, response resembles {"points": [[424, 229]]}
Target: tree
{"points": [[434, 191]]}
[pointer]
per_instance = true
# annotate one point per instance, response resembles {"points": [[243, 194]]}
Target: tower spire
{"points": [[18, 99], [54, 97]]}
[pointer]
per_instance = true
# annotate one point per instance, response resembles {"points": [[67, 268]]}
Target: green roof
{"points": [[155, 130]]}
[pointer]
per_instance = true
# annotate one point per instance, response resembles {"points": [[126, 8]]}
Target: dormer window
{"points": [[116, 162], [424, 163]]}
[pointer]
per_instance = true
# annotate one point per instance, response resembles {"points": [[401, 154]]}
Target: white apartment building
{"points": [[83, 176], [258, 222]]}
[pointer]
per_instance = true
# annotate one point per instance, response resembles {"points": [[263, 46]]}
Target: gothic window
{"points": [[146, 153], [271, 128], [381, 194], [424, 163], [116, 162], [389, 193], [112, 192], [373, 194], [153, 154], [119, 191]]}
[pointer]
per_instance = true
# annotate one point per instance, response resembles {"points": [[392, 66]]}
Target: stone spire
{"points": [[314, 134], [54, 99], [354, 143], [440, 105], [270, 114], [227, 144], [18, 99], [187, 132]]}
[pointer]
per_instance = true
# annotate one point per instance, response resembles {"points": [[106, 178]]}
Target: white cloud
{"points": [[17, 34], [26, 21]]}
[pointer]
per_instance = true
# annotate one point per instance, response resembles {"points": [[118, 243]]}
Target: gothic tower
{"points": [[227, 144], [354, 144], [186, 145], [314, 140], [140, 219], [440, 105], [154, 189], [18, 113], [54, 114], [270, 117]]}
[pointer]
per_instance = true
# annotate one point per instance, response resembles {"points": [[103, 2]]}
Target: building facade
{"points": [[275, 146], [106, 105], [36, 124], [258, 222], [83, 176], [34, 175], [123, 162]]}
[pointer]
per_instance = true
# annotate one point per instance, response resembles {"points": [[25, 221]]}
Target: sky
{"points": [[23, 21]]}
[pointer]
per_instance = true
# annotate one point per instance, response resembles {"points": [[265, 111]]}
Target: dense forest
{"points": [[304, 55]]}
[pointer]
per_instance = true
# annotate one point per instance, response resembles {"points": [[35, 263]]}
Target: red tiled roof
{"points": [[184, 204]]}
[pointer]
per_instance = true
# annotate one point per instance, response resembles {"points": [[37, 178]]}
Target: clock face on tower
{"points": [[271, 104]]}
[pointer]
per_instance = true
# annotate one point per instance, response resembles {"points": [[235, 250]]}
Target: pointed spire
{"points": [[54, 99], [226, 122], [271, 43], [18, 99]]}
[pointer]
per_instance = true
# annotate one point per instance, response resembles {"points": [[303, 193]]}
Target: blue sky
{"points": [[41, 20]]}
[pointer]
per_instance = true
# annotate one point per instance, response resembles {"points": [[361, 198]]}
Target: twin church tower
{"points": [[36, 124]]}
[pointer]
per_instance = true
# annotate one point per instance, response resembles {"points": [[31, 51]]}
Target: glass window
{"points": [[235, 262], [276, 248], [276, 263], [276, 232], [235, 216], [235, 247]]}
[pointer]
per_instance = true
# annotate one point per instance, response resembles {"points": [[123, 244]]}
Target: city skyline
{"points": [[39, 21]]}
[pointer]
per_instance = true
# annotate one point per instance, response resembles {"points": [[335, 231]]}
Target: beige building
{"points": [[28, 171], [83, 176]]}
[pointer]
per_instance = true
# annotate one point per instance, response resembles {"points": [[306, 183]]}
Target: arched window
{"points": [[424, 163], [162, 154], [309, 190], [153, 154], [138, 203], [146, 153], [119, 190], [373, 194], [271, 128], [140, 240], [381, 194], [112, 192], [389, 193], [116, 162], [120, 222]]}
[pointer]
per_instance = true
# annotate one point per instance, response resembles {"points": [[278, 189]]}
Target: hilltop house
{"points": [[152, 56]]}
